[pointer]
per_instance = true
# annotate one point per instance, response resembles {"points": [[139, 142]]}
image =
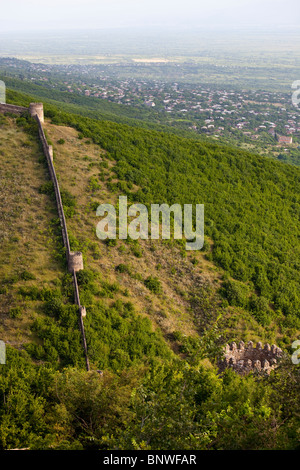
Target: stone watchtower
{"points": [[75, 261], [245, 358], [37, 109]]}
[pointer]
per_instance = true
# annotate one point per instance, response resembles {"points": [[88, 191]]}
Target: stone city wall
{"points": [[74, 259], [11, 108]]}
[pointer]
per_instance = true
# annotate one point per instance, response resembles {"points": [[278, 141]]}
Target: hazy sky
{"points": [[86, 14]]}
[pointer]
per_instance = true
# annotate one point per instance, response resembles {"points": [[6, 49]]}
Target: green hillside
{"points": [[251, 207], [157, 315], [86, 106]]}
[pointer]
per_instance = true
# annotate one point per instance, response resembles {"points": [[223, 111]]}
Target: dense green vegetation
{"points": [[117, 336], [251, 204], [166, 406], [147, 397]]}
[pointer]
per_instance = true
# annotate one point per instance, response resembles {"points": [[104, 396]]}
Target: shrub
{"points": [[93, 184], [137, 251], [123, 268], [261, 310], [111, 242], [15, 312], [85, 277], [54, 307], [236, 293], [153, 284], [69, 202], [206, 246], [31, 293], [27, 276], [47, 188], [48, 294], [109, 289]]}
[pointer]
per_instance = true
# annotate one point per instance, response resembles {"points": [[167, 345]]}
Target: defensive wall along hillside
{"points": [[74, 259], [242, 358]]}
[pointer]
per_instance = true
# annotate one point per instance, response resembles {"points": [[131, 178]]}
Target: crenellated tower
{"points": [[246, 358]]}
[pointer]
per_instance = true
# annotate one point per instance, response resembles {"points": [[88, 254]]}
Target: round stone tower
{"points": [[37, 109], [75, 261]]}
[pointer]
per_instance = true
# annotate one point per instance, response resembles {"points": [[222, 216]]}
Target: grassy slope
{"points": [[30, 244], [34, 274], [28, 241], [83, 160], [183, 279], [180, 277]]}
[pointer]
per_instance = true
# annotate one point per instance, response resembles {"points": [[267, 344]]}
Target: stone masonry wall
{"points": [[74, 259], [246, 358], [11, 108]]}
